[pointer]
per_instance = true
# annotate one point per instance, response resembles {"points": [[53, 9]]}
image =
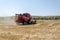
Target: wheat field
{"points": [[43, 30]]}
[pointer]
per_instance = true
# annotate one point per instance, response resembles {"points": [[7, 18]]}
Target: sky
{"points": [[34, 7]]}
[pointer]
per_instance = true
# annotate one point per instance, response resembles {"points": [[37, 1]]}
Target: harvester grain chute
{"points": [[24, 18]]}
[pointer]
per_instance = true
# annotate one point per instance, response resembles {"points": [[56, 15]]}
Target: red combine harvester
{"points": [[24, 18]]}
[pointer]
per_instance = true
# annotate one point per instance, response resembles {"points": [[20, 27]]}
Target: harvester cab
{"points": [[24, 18]]}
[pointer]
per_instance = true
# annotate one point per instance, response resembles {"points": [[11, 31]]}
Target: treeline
{"points": [[47, 18]]}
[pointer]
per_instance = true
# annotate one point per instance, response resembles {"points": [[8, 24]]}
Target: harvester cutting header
{"points": [[24, 18]]}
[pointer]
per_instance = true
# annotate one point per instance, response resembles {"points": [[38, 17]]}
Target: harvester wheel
{"points": [[29, 22], [24, 23]]}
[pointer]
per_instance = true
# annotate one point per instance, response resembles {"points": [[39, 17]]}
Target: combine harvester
{"points": [[24, 18]]}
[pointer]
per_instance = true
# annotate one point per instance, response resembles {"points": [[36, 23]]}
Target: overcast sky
{"points": [[34, 7]]}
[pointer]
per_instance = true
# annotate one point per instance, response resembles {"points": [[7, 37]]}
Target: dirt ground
{"points": [[43, 30]]}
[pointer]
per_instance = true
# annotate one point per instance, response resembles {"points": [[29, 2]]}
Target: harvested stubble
{"points": [[43, 30]]}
